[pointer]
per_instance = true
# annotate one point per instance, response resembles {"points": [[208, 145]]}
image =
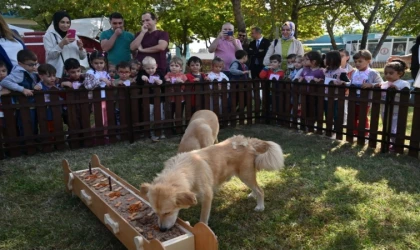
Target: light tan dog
{"points": [[196, 174], [201, 132]]}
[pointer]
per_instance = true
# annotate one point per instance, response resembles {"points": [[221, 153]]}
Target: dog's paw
{"points": [[259, 208], [251, 195]]}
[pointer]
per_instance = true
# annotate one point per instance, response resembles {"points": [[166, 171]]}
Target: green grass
{"points": [[331, 195]]}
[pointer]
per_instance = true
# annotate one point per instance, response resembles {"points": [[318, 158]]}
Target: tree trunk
{"points": [[294, 16], [390, 26], [330, 29], [366, 25], [239, 17]]}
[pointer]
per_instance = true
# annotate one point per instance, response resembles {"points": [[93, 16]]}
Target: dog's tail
{"points": [[269, 155]]}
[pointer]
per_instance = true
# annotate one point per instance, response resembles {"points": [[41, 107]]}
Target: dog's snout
{"points": [[163, 229]]}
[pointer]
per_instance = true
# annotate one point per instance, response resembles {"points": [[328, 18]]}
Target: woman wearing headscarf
{"points": [[285, 46], [59, 46], [10, 45]]}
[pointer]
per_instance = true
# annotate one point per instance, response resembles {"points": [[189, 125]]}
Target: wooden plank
{"points": [[110, 111], [27, 124], [225, 105], [288, 102], [363, 112], [249, 107], [233, 103], [97, 113], [415, 126], [375, 114], [123, 96], [83, 114], [41, 112], [330, 109], [179, 106], [57, 111], [340, 113], [351, 114], [319, 112], [10, 131], [402, 120], [135, 111]]}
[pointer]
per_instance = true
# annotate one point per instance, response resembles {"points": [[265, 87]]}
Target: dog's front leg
{"points": [[206, 206]]}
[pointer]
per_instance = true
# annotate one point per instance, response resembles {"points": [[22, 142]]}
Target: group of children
{"points": [[27, 77]]}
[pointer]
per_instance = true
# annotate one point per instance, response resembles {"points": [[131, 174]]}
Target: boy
{"points": [[135, 67], [23, 78], [363, 77], [150, 76], [74, 75], [290, 65], [238, 68], [273, 70], [47, 73], [3, 91], [124, 72], [298, 67], [195, 75]]}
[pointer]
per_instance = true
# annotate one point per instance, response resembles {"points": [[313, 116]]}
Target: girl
{"points": [[312, 71], [195, 75], [176, 76], [345, 58], [334, 73], [393, 71], [216, 73], [97, 71]]}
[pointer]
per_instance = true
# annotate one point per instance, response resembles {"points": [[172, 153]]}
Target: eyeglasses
{"points": [[32, 64], [239, 35]]}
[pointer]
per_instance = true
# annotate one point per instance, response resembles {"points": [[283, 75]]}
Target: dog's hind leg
{"points": [[206, 205], [250, 179]]}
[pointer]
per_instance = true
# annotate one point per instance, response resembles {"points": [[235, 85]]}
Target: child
{"points": [[23, 78], [124, 71], [291, 59], [195, 75], [312, 70], [74, 78], [98, 64], [345, 58], [176, 76], [363, 77], [273, 70], [112, 71], [393, 70], [298, 67], [3, 91], [150, 76], [238, 68], [216, 73], [135, 67], [47, 73], [337, 75]]}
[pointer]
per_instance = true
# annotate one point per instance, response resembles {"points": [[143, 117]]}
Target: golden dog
{"points": [[201, 132], [187, 177]]}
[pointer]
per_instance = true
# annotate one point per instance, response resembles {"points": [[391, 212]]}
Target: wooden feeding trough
{"points": [[128, 215]]}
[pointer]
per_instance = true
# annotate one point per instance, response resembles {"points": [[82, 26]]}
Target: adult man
{"points": [[244, 39], [151, 42], [225, 46], [256, 51], [116, 41]]}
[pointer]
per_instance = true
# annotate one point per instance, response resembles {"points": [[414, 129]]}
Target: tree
{"points": [[237, 12], [336, 15]]}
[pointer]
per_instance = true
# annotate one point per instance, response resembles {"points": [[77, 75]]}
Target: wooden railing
{"points": [[246, 102]]}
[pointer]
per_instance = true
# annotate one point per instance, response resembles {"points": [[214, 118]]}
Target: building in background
{"points": [[393, 45]]}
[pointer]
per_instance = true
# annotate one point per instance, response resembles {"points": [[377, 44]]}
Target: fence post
{"points": [[415, 129], [128, 114], [387, 119]]}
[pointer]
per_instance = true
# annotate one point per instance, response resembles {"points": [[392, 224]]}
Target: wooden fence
{"points": [[243, 102]]}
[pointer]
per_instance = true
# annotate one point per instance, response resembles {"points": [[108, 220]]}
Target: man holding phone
{"points": [[116, 41], [225, 46]]}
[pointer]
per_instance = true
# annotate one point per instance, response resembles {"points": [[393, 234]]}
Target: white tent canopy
{"points": [[89, 27], [19, 29]]}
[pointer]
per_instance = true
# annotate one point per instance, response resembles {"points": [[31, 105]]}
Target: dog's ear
{"points": [[186, 199], [144, 189]]}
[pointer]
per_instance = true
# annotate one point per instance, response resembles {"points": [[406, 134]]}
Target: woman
{"points": [[285, 46], [10, 45], [59, 46]]}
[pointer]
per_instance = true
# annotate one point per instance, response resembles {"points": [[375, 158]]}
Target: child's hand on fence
{"points": [[28, 92], [106, 81], [66, 84], [318, 79], [206, 78], [245, 72], [4, 92], [300, 79], [179, 80], [367, 85], [145, 79], [196, 79], [38, 87], [158, 81]]}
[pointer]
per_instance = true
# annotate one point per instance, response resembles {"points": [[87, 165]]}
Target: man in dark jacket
{"points": [[256, 51]]}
